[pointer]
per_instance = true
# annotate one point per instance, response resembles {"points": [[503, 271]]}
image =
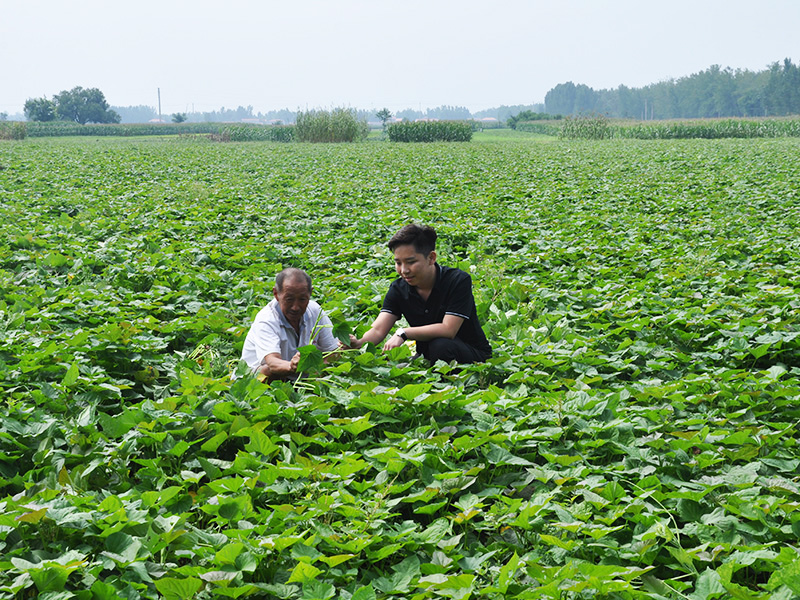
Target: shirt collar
{"points": [[285, 322], [413, 289]]}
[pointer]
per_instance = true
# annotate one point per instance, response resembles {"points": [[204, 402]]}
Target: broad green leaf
{"points": [[173, 588], [787, 575], [303, 572], [708, 586], [413, 391], [318, 590], [227, 555], [33, 516], [51, 578], [507, 572], [260, 442], [71, 376], [497, 455], [311, 359], [364, 593]]}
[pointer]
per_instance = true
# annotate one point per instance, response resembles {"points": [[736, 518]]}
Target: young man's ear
{"points": [[432, 257]]}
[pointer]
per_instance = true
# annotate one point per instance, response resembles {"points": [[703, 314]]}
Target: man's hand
{"points": [[294, 362], [393, 342]]}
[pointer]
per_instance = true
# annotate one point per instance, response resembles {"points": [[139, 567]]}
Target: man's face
{"points": [[293, 299], [417, 269]]}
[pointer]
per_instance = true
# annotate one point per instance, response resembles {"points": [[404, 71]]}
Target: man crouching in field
{"points": [[285, 324], [436, 301]]}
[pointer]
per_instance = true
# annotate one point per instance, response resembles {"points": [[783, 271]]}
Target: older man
{"points": [[290, 320]]}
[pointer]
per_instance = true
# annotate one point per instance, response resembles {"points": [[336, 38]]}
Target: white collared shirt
{"points": [[271, 333]]}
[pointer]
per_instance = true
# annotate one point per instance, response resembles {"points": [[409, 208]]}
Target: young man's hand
{"points": [[393, 342]]}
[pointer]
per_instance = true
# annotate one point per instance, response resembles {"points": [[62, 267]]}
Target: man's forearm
{"points": [[446, 329], [279, 367], [423, 333], [373, 336]]}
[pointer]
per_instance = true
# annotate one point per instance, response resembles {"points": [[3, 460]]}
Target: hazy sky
{"points": [[275, 54]]}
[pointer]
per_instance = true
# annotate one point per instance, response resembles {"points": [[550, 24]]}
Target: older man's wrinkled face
{"points": [[293, 300]]}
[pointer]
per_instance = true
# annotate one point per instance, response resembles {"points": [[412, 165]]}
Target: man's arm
{"points": [[380, 327], [448, 328], [279, 368]]}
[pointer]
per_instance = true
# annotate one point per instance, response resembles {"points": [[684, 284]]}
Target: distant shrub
{"points": [[256, 133], [481, 125], [550, 127], [337, 125], [13, 130], [529, 115], [430, 131], [586, 127]]}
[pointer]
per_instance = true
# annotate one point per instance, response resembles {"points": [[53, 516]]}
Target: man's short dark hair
{"points": [[423, 238], [292, 274]]}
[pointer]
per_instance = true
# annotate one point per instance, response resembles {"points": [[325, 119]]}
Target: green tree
{"points": [[84, 106], [40, 109], [384, 115], [178, 117]]}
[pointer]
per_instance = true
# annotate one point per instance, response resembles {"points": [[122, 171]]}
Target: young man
{"points": [[286, 324], [436, 301]]}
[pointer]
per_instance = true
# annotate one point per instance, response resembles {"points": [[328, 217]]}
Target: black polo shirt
{"points": [[451, 295]]}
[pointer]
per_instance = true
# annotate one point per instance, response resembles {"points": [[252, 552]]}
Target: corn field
{"points": [[64, 128], [257, 133], [337, 125], [13, 131], [711, 129], [586, 127], [598, 127], [430, 131]]}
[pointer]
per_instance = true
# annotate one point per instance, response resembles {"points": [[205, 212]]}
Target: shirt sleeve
{"points": [[325, 340], [392, 302], [266, 338], [460, 301]]}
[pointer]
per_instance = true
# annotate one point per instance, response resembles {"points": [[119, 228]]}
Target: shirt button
{"points": [[426, 311]]}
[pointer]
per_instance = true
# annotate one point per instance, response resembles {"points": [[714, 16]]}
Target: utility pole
{"points": [[159, 104]]}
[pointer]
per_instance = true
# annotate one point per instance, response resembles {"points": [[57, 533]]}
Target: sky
{"points": [[303, 54]]}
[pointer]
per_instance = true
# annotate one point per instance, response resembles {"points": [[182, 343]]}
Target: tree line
{"points": [[714, 92]]}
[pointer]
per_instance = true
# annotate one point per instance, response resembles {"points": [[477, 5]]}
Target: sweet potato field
{"points": [[634, 436]]}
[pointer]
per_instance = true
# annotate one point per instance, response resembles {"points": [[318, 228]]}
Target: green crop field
{"points": [[635, 435]]}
